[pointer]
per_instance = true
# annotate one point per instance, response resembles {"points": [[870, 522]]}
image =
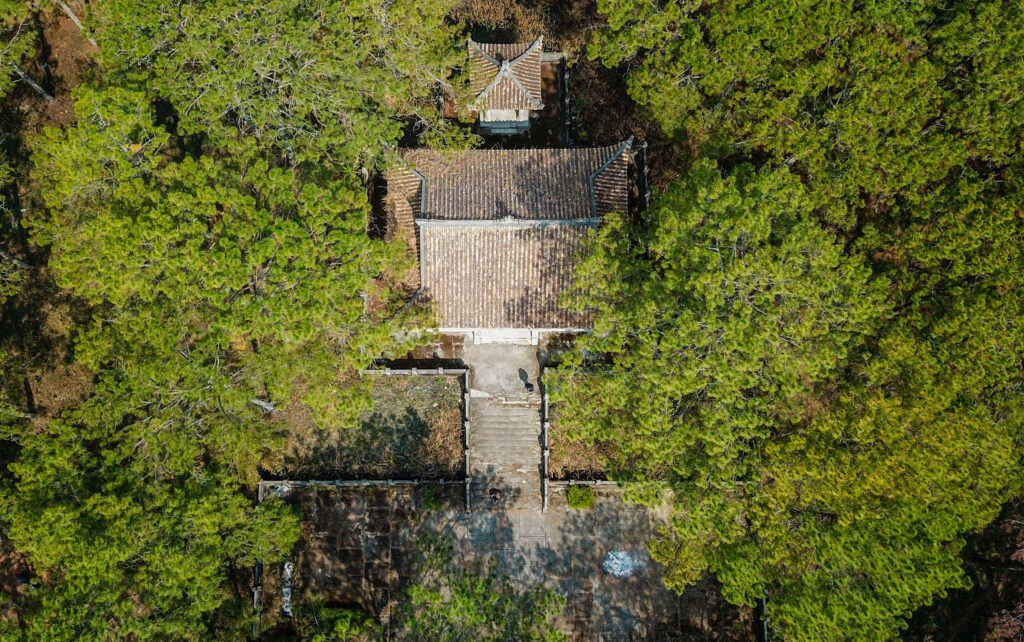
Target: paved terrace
{"points": [[359, 545]]}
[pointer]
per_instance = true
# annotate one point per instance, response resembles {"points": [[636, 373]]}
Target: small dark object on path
{"points": [[525, 378]]}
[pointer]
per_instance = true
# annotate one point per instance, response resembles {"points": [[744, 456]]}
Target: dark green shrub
{"points": [[581, 497], [430, 497]]}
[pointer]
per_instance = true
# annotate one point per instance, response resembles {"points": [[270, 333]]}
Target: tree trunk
{"points": [[31, 83], [265, 405], [23, 265], [71, 14]]}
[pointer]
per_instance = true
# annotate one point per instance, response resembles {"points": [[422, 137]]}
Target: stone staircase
{"points": [[505, 452]]}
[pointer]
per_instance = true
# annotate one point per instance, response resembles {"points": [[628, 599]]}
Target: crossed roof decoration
{"points": [[506, 76]]}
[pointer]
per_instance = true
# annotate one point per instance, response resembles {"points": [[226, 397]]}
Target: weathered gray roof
{"points": [[501, 274], [506, 76], [522, 183]]}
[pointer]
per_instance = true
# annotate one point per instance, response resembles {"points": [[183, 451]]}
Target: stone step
{"points": [[503, 403], [496, 458], [500, 438], [514, 450], [504, 419], [525, 420], [499, 432], [492, 459], [496, 422], [519, 413], [525, 417]]}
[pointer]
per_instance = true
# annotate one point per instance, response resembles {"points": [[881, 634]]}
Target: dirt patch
{"points": [[40, 375], [59, 389], [445, 350], [64, 61], [69, 62], [414, 431]]}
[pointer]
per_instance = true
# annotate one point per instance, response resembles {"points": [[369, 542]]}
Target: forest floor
{"points": [[37, 364], [993, 609], [36, 324]]}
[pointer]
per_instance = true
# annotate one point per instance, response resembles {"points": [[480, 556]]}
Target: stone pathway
{"points": [[505, 427]]}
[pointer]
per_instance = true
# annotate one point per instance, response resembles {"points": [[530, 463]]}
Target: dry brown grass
{"points": [[414, 430]]}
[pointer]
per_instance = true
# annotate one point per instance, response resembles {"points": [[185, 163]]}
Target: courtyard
{"points": [[359, 547]]}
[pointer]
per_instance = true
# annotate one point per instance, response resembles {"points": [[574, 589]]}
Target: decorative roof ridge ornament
{"points": [[506, 69]]}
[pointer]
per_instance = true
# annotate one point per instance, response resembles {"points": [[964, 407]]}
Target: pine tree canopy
{"points": [[818, 361]]}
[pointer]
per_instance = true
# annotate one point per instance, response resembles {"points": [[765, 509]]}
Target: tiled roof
{"points": [[497, 231], [402, 203], [501, 274], [537, 184], [506, 76]]}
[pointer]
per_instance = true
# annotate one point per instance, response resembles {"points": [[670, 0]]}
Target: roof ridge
{"points": [[479, 50], [506, 69], [536, 43], [618, 153], [506, 72], [515, 79]]}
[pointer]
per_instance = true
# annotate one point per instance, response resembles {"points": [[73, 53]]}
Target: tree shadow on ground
{"points": [[360, 546], [566, 549], [613, 585], [413, 431], [387, 445], [36, 336]]}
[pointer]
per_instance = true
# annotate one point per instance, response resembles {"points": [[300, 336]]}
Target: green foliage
{"points": [[449, 605], [873, 102], [818, 448], [145, 555], [319, 82], [831, 453], [17, 39], [731, 305], [17, 43], [226, 260], [580, 496], [221, 282], [10, 414], [317, 622], [431, 498]]}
